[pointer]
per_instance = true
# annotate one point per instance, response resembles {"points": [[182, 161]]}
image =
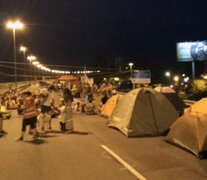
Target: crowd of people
{"points": [[38, 109]]}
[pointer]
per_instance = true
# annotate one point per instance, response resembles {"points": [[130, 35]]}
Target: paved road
{"points": [[80, 156]]}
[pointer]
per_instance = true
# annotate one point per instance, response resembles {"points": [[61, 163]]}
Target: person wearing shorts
{"points": [[30, 114], [46, 106]]}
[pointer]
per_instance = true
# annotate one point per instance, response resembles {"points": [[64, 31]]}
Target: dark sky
{"points": [[75, 32]]}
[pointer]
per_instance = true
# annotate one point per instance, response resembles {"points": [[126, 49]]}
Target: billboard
{"points": [[141, 76], [189, 51]]}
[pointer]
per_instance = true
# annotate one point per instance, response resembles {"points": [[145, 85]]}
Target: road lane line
{"points": [[124, 163]]}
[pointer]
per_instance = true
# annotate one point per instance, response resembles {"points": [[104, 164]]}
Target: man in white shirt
{"points": [[48, 102]]}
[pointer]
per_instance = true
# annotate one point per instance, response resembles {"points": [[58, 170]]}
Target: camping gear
{"points": [[90, 109], [172, 96], [190, 132], [143, 111], [108, 107]]}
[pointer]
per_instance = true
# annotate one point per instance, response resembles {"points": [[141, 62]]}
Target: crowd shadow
{"points": [[56, 131], [36, 142], [79, 133], [3, 134], [46, 135], [74, 132]]}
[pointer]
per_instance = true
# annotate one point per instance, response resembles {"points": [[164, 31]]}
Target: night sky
{"points": [[76, 32]]}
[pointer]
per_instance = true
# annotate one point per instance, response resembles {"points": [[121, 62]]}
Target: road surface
{"points": [[80, 156]]}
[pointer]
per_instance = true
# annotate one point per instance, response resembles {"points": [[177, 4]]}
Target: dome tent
{"points": [[143, 111], [172, 96], [164, 89], [190, 130], [111, 103]]}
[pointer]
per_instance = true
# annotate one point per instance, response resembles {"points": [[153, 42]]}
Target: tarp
{"points": [[143, 111], [190, 132], [173, 97], [67, 78], [110, 104]]}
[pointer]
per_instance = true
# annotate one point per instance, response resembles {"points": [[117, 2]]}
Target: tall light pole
{"points": [[24, 49], [14, 26], [168, 75], [31, 58], [130, 65]]}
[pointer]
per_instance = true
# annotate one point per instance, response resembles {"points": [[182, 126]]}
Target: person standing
{"points": [[67, 121], [48, 101], [30, 114]]}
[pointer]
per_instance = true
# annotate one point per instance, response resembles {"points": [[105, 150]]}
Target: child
{"points": [[67, 121]]}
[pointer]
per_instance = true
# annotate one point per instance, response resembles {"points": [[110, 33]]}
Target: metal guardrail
{"points": [[189, 102]]}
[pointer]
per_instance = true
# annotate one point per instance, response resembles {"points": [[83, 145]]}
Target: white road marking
{"points": [[124, 163]]}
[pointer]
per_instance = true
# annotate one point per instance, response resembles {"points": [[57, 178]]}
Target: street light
{"points": [[167, 74], [14, 26], [205, 77], [39, 65], [130, 65], [30, 59], [176, 78], [24, 49], [186, 79], [35, 62]]}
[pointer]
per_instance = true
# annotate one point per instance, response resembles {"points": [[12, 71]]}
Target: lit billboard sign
{"points": [[141, 76], [189, 51]]}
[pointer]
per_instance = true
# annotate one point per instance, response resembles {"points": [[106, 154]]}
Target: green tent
{"points": [[143, 111]]}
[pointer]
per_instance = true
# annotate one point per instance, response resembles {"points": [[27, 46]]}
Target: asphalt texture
{"points": [[56, 155], [79, 156]]}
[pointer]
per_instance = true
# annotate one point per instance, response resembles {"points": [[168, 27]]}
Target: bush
{"points": [[198, 95], [197, 89]]}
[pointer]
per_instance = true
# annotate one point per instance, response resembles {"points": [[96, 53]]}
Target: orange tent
{"points": [[67, 78], [198, 107], [108, 108], [189, 132], [70, 81]]}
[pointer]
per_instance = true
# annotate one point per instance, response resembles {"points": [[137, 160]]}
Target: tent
{"points": [[190, 132], [67, 78], [172, 96], [111, 103], [143, 111], [70, 81], [164, 89], [200, 107]]}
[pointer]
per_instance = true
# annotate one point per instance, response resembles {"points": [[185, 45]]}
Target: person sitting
{"points": [[90, 108], [1, 125], [104, 98], [3, 110], [82, 105]]}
